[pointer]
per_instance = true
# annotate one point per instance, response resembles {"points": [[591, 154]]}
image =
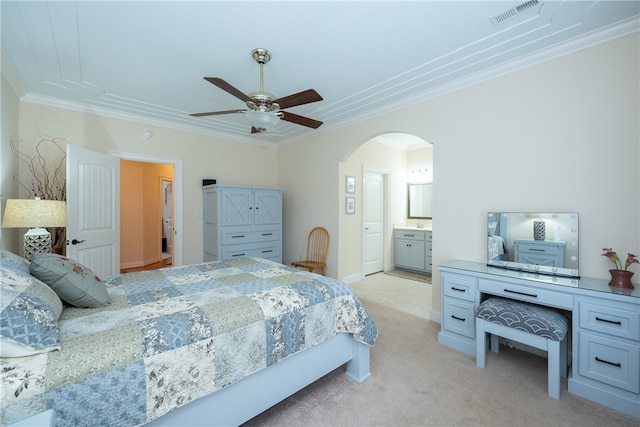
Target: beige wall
{"points": [[380, 158], [141, 212], [9, 237], [203, 156], [560, 136]]}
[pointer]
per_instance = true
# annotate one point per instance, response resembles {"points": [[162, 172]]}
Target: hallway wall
{"points": [[140, 212]]}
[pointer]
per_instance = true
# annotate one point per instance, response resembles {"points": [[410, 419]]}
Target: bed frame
{"points": [[244, 399]]}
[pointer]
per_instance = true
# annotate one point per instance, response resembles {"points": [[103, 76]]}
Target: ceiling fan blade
{"points": [[228, 88], [300, 120], [300, 98], [215, 113]]}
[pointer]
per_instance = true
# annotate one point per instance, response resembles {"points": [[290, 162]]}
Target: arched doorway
{"points": [[388, 157]]}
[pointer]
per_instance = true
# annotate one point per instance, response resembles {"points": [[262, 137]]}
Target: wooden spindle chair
{"points": [[317, 249]]}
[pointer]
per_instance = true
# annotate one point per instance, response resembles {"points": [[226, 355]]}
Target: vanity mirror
{"points": [[539, 242], [419, 197]]}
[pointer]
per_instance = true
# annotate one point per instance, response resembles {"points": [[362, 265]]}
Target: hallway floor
{"points": [[167, 261], [406, 295]]}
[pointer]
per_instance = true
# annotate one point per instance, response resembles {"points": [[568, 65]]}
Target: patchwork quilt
{"points": [[170, 336]]}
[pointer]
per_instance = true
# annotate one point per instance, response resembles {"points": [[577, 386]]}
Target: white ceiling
{"points": [[145, 60]]}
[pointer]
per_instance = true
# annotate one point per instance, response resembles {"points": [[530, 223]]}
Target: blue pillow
{"points": [[29, 314], [11, 260]]}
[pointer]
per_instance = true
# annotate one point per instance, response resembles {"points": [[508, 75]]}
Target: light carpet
{"points": [[417, 382]]}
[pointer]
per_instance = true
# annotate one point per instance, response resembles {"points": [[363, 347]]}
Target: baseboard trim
{"points": [[353, 278], [434, 316]]}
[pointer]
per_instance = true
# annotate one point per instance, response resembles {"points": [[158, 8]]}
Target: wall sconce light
{"points": [[35, 214]]}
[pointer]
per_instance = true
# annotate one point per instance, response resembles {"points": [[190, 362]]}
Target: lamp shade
{"points": [[262, 120], [34, 213]]}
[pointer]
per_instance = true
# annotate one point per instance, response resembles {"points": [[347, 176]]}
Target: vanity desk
{"points": [[605, 325]]}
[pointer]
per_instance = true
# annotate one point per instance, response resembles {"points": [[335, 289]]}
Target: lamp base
{"points": [[36, 240]]}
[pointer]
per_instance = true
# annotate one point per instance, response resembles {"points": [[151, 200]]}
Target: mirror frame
{"points": [[429, 194], [568, 228]]}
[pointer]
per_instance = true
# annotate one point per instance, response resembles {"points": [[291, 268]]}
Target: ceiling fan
{"points": [[265, 110]]}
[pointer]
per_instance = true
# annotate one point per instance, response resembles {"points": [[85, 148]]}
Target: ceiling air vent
{"points": [[513, 11]]}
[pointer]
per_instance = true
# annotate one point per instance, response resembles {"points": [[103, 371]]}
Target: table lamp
{"points": [[35, 214]]}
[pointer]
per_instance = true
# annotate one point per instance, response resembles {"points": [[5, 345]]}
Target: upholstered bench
{"points": [[540, 327]]}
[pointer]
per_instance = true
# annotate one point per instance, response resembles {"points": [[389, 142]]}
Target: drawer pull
{"points": [[237, 236], [267, 234], [238, 255], [521, 293], [457, 289], [617, 365], [459, 318], [615, 322], [266, 252]]}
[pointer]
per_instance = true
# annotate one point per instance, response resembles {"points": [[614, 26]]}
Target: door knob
{"points": [[75, 241]]}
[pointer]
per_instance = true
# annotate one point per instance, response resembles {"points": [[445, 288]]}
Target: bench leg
{"points": [[495, 343], [564, 358], [481, 343], [553, 368]]}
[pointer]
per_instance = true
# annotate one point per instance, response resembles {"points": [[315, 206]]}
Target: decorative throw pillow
{"points": [[73, 282], [29, 313]]}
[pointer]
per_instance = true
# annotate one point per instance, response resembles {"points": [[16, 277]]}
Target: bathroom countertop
{"points": [[427, 227]]}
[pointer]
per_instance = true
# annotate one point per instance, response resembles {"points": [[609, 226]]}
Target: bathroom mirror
{"points": [[545, 243], [420, 197]]}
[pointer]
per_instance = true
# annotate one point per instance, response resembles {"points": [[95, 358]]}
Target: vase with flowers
{"points": [[46, 178], [620, 277]]}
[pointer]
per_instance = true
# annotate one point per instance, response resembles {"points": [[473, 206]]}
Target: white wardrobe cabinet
{"points": [[242, 222]]}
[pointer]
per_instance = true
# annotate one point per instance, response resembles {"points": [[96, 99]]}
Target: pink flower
{"points": [[631, 259]]}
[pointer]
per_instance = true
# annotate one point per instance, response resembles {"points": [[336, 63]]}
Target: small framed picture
{"points": [[350, 184], [350, 205]]}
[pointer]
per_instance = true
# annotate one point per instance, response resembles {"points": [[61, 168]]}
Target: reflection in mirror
{"points": [[420, 197], [541, 242]]}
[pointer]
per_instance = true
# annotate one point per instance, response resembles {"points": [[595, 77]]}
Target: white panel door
{"points": [[373, 218], [93, 208]]}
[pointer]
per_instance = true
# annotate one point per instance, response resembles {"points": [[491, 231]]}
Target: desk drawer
{"points": [[526, 293], [610, 320], [459, 286], [410, 235], [459, 317], [539, 249], [609, 361]]}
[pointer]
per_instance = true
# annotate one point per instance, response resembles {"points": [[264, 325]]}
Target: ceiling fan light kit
{"points": [[264, 110], [262, 120]]}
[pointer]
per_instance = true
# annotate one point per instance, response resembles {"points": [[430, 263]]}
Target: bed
{"points": [[214, 343], [497, 236]]}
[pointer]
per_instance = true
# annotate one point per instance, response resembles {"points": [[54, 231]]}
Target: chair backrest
{"points": [[317, 245]]}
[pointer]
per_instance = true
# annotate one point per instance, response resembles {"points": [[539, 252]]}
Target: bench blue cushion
{"points": [[530, 318]]}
